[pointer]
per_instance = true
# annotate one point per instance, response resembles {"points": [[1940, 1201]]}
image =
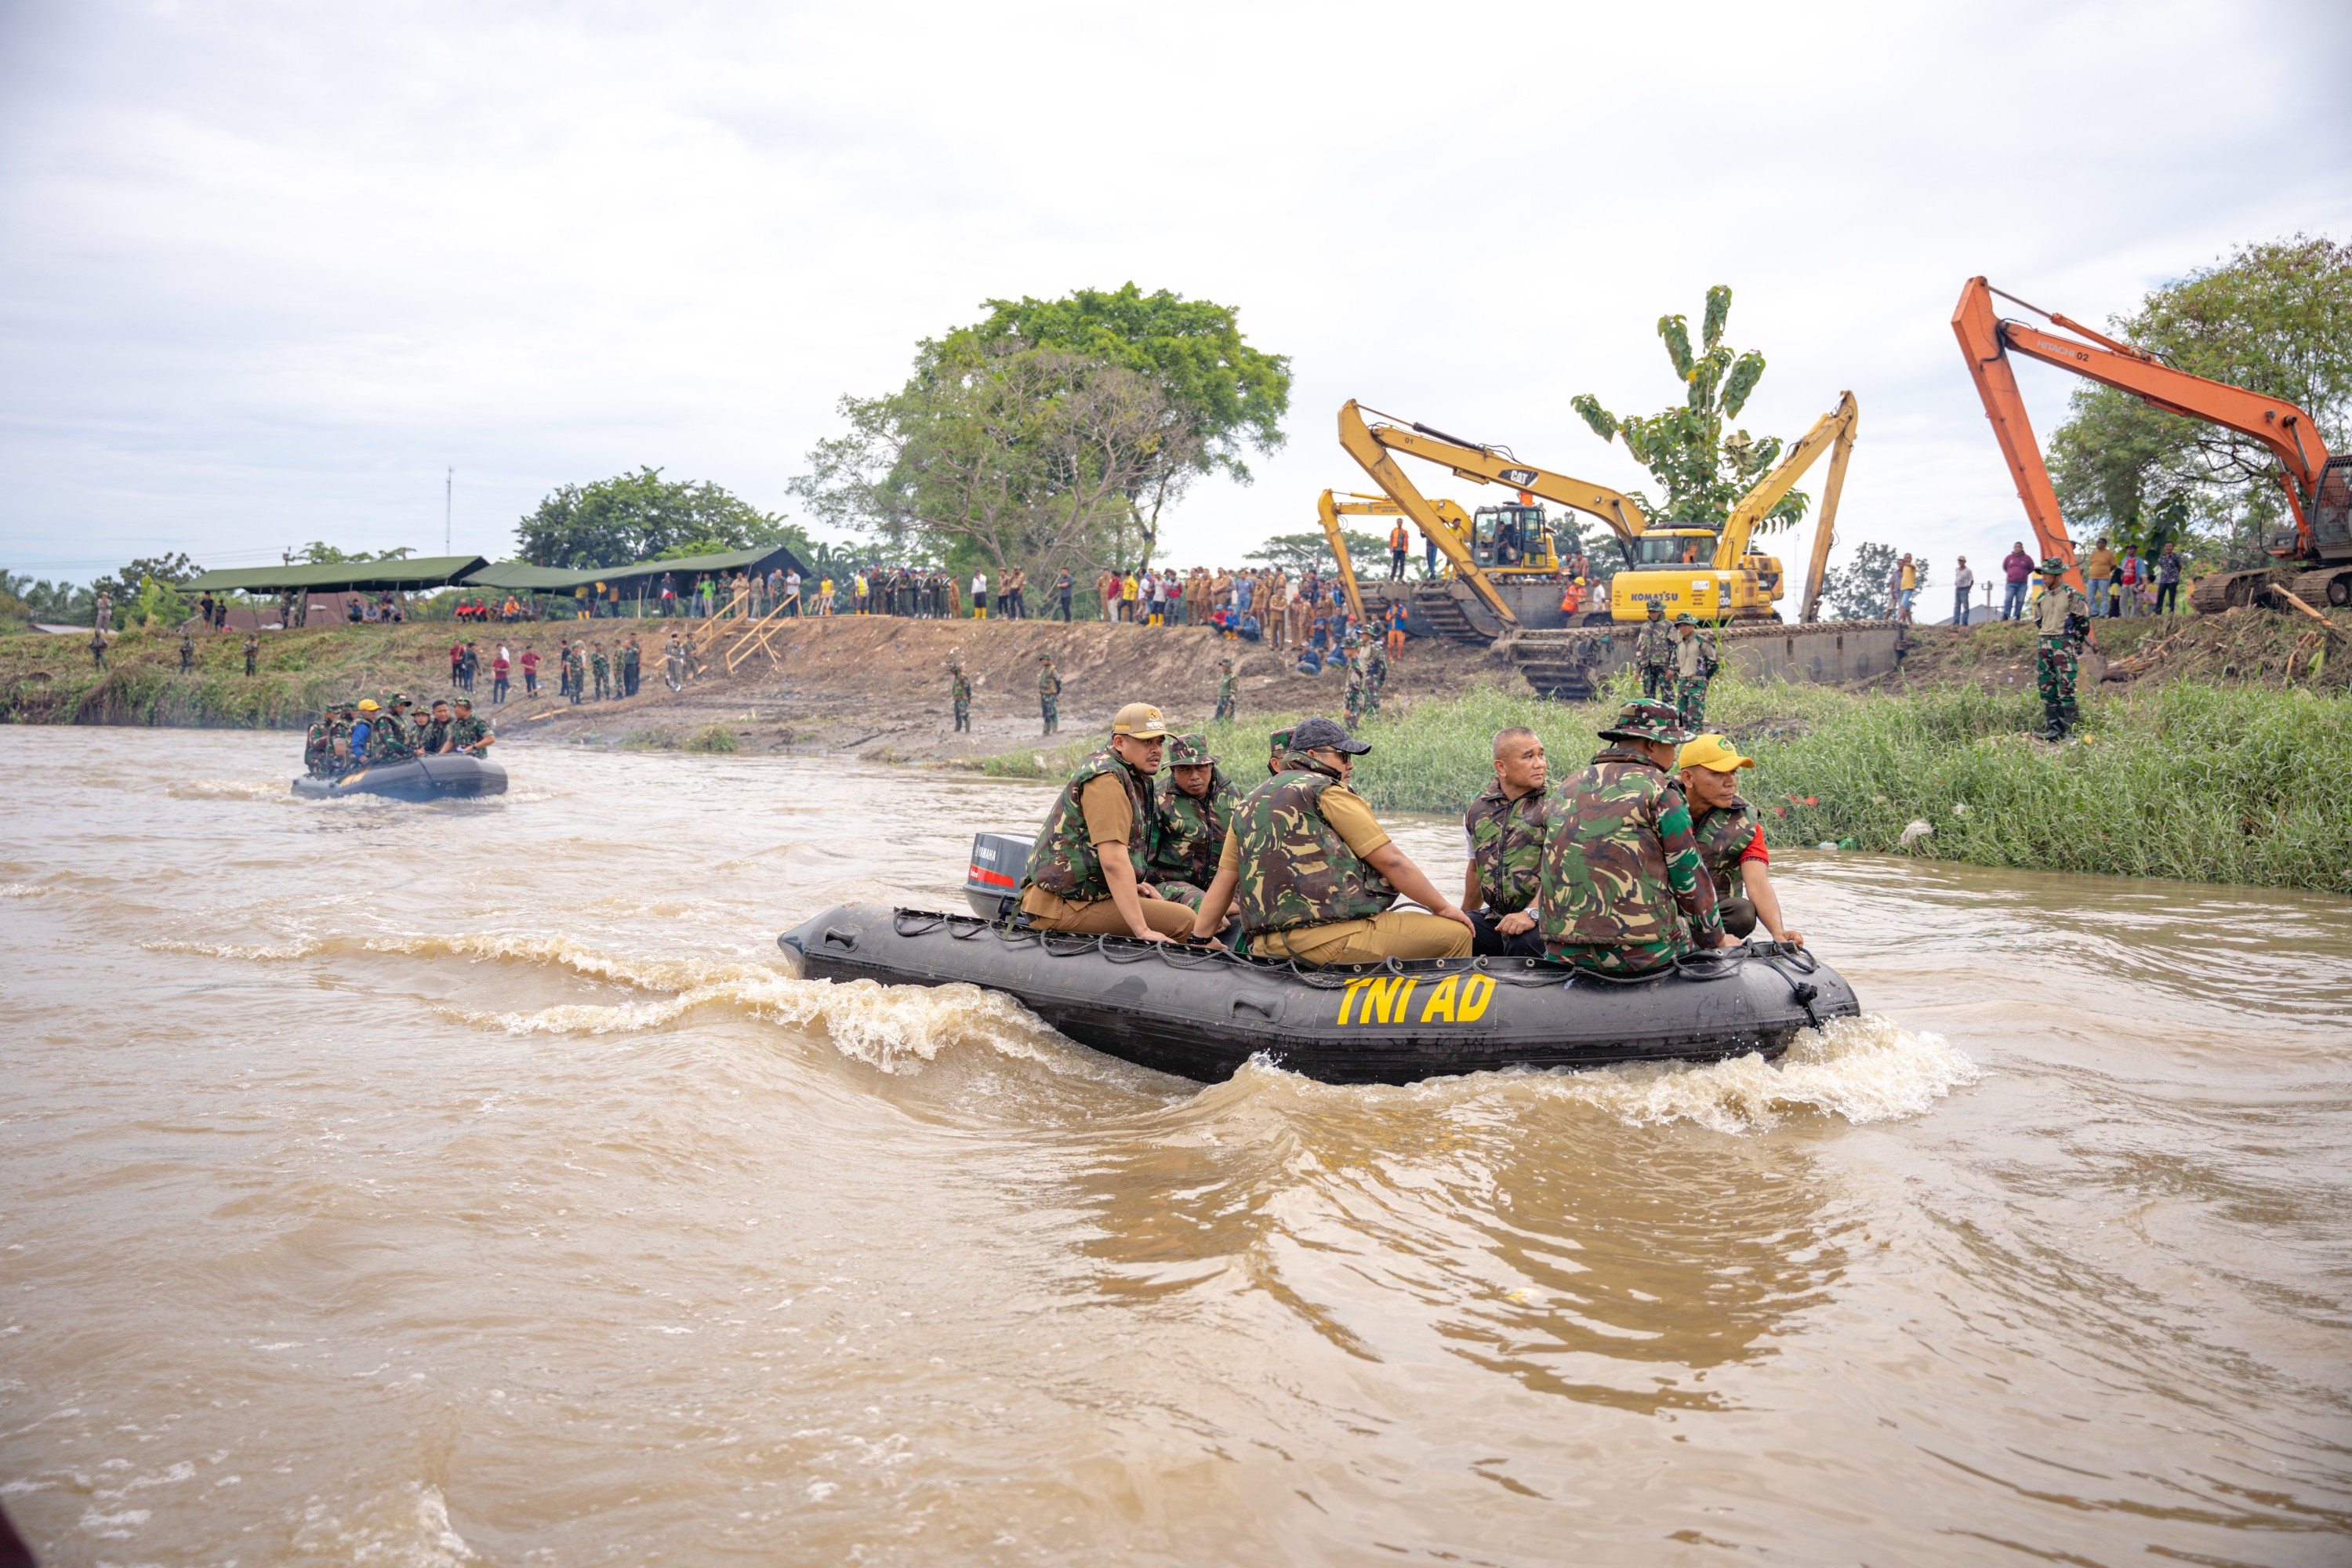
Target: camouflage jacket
{"points": [[1062, 861], [318, 746], [390, 738], [600, 664], [1723, 836], [1048, 684], [1296, 869], [1654, 646], [1507, 842], [1621, 868], [960, 691], [468, 729], [430, 735], [630, 659], [1225, 688], [1376, 666], [1187, 834]]}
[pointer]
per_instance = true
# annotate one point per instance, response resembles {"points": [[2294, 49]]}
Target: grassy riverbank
{"points": [[2208, 784]]}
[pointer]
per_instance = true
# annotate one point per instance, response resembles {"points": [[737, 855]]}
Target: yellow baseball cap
{"points": [[1711, 751], [1139, 721], [368, 705]]}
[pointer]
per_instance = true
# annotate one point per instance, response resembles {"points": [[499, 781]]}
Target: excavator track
{"points": [[1571, 665], [2217, 592], [1436, 605], [2327, 588]]}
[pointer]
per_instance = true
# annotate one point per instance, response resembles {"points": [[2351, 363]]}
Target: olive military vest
{"points": [[1723, 836], [1062, 862], [1296, 869], [1188, 833], [1506, 841]]}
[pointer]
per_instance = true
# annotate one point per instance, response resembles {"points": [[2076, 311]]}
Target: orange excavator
{"points": [[2317, 549]]}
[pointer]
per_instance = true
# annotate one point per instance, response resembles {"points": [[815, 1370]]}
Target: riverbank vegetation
{"points": [[2192, 781]]}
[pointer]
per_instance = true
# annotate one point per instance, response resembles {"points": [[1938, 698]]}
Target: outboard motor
{"points": [[992, 885]]}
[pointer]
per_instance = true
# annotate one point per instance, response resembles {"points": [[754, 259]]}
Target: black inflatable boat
{"points": [[1200, 1013], [453, 776]]}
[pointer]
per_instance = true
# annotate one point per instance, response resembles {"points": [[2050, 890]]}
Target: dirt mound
{"points": [[2239, 648]]}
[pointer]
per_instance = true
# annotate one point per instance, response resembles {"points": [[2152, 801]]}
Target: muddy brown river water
{"points": [[469, 1183]]}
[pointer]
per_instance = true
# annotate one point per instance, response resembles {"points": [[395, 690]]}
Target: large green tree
{"points": [[1702, 469], [638, 516], [1053, 432], [2275, 318]]}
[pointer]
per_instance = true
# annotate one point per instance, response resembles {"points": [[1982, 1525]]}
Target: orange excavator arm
{"points": [[1370, 446], [1986, 340]]}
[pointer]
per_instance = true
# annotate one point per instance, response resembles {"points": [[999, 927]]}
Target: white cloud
{"points": [[269, 267]]}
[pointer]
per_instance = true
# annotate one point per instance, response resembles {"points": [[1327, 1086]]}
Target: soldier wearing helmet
{"points": [[1624, 887]]}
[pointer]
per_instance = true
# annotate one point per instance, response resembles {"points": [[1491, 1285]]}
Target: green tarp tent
{"points": [[342, 576]]}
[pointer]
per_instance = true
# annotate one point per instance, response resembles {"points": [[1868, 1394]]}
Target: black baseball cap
{"points": [[1323, 735]]}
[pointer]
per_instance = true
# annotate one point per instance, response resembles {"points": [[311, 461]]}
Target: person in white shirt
{"points": [[791, 593], [980, 596], [1962, 580]]}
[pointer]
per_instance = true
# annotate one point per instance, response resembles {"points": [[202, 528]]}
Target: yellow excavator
{"points": [[1716, 576], [1333, 505]]}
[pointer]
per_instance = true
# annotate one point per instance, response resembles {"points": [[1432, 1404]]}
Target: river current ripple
{"points": [[470, 1183]]}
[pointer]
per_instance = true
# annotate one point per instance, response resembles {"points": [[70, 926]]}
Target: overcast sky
{"points": [[267, 269]]}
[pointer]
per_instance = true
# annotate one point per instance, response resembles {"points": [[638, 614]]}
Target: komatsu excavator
{"points": [[2316, 550], [1716, 576]]}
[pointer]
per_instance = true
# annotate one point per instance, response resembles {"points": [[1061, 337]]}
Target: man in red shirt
{"points": [[530, 672], [1730, 838], [456, 663]]}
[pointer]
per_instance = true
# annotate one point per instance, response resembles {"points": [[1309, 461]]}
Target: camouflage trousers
{"points": [[1657, 683], [1224, 714], [1052, 707], [964, 715], [1690, 700], [1355, 708], [1372, 700], [2054, 668], [1182, 893], [1631, 959]]}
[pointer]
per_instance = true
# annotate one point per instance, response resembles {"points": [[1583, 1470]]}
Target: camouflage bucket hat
{"points": [[1279, 741], [1648, 721], [1685, 619], [2052, 568], [1189, 751]]}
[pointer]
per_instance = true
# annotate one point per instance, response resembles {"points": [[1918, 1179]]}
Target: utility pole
{"points": [[449, 492]]}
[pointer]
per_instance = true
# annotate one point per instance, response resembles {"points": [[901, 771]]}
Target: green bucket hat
{"points": [[1189, 751], [2052, 568], [1685, 619], [1648, 721]]}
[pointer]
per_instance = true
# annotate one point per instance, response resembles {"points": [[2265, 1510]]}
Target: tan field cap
{"points": [[1139, 720]]}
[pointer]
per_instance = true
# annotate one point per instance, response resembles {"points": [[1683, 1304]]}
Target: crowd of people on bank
{"points": [[2122, 584], [1646, 855]]}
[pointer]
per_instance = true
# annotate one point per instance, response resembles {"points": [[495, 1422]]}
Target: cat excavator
{"points": [[1713, 575], [2315, 552]]}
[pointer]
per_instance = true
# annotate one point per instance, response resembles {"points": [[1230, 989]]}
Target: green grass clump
{"points": [[2201, 783], [717, 738]]}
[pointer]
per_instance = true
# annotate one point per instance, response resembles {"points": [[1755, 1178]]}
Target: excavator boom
{"points": [[1834, 432], [1987, 341]]}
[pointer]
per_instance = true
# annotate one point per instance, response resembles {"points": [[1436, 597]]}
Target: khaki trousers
{"points": [[1399, 933], [1101, 917]]}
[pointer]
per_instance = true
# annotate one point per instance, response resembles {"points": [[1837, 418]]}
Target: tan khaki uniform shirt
{"points": [[1353, 821]]}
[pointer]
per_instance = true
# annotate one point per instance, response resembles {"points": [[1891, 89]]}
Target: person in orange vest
{"points": [[1572, 597], [1398, 540]]}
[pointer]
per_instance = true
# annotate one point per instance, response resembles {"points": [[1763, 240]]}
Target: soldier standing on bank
{"points": [[1049, 694], [1653, 655], [631, 665], [959, 693], [187, 652], [1193, 806], [252, 654], [97, 651], [1225, 705], [1622, 887], [1505, 827], [1355, 663], [601, 665], [1694, 666], [2062, 626], [1375, 676]]}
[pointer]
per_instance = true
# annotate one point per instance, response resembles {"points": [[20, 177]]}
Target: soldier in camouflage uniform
{"points": [[1694, 665], [1355, 663], [1313, 874], [959, 693], [467, 733], [1090, 869], [2062, 624], [1623, 888], [1193, 804], [601, 665], [252, 654], [390, 738], [319, 745], [432, 736], [1049, 694], [1375, 676], [1505, 827], [1653, 655], [1224, 714], [338, 738], [575, 670], [187, 652], [1730, 838]]}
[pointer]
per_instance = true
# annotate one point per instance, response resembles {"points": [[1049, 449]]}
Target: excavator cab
{"points": [[1672, 547], [1512, 538]]}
